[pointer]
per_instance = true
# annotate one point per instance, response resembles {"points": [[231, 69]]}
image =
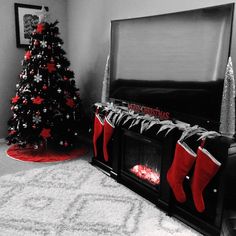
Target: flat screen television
{"points": [[175, 62]]}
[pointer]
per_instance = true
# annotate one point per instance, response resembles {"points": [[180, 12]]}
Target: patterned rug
{"points": [[76, 199]]}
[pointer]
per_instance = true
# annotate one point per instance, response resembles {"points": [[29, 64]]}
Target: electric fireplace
{"points": [[166, 72], [143, 164]]}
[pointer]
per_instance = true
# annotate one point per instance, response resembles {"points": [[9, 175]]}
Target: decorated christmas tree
{"points": [[47, 103]]}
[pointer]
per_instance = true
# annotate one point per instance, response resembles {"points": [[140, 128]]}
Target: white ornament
{"points": [[44, 44], [43, 15], [37, 119], [38, 78]]}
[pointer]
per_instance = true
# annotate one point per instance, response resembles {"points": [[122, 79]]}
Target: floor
{"points": [[9, 165]]}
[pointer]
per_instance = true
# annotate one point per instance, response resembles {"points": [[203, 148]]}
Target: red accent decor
{"points": [[27, 55], [15, 99], [45, 133], [51, 67], [108, 131], [37, 155], [38, 100], [36, 42], [97, 132], [40, 28], [145, 173], [70, 102], [181, 165], [12, 132], [205, 170], [163, 115]]}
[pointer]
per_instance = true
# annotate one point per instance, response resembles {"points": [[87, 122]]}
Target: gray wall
{"points": [[89, 28], [10, 56]]}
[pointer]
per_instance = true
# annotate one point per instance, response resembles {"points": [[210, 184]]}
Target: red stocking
{"points": [[108, 131], [97, 131], [183, 161], [205, 169]]}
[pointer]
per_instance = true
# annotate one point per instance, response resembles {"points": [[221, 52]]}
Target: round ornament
{"points": [[36, 42]]}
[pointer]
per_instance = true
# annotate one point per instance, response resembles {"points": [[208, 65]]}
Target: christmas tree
{"points": [[47, 103]]}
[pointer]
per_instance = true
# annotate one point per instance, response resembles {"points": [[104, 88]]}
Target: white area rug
{"points": [[76, 199]]}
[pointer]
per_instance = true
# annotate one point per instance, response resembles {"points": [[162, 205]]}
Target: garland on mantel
{"points": [[120, 115]]}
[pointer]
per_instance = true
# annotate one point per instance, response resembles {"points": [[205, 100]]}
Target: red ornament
{"points": [[40, 28], [36, 42], [34, 126], [38, 100], [11, 132], [28, 55], [51, 67], [66, 144], [45, 133], [45, 87], [25, 102], [65, 78], [70, 102], [15, 99]]}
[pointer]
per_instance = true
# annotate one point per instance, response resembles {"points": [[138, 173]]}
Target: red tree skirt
{"points": [[30, 154]]}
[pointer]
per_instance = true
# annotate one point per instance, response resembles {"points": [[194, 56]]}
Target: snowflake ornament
{"points": [[37, 119], [38, 78], [44, 44]]}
